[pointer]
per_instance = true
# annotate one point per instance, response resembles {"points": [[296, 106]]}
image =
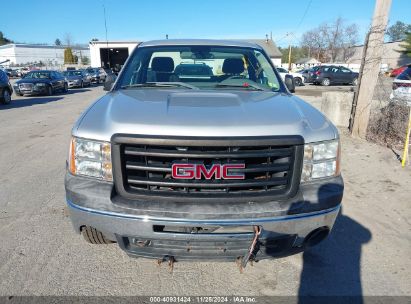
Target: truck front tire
{"points": [[93, 236]]}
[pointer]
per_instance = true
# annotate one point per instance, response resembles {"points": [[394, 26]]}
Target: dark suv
{"points": [[5, 88], [328, 74]]}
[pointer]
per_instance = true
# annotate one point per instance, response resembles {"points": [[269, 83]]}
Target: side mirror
{"points": [[108, 83], [289, 83]]}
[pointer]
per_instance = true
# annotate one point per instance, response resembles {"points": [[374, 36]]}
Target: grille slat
{"points": [[200, 154], [145, 167], [252, 168], [213, 184]]}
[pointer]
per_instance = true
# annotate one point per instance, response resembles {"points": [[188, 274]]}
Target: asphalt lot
{"points": [[368, 252]]}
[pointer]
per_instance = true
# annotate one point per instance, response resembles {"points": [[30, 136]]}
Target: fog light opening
{"points": [[316, 236]]}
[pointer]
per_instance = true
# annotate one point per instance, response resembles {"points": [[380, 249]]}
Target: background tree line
{"points": [[334, 41], [4, 40]]}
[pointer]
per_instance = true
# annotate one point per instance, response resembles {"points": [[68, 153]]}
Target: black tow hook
{"points": [[253, 250], [171, 260]]}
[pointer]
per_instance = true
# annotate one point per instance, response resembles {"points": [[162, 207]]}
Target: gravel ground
{"points": [[368, 252]]}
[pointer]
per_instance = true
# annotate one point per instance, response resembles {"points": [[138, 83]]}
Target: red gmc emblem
{"points": [[200, 171]]}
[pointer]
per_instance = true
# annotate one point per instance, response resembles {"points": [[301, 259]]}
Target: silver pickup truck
{"points": [[200, 151]]}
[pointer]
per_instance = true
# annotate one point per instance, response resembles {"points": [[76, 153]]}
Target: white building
{"points": [[307, 62], [114, 53], [50, 55], [392, 56]]}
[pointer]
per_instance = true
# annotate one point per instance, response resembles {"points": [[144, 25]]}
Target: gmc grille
{"points": [[142, 167]]}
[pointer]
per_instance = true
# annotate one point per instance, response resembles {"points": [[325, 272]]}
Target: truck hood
{"points": [[178, 112]]}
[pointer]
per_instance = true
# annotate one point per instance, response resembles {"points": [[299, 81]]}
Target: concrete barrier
{"points": [[337, 107]]}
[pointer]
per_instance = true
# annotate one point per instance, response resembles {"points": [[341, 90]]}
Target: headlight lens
{"points": [[90, 158], [321, 160]]}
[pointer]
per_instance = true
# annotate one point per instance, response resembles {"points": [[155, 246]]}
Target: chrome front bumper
{"points": [[139, 235]]}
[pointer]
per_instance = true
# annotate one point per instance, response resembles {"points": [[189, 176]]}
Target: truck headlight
{"points": [[90, 158], [321, 160]]}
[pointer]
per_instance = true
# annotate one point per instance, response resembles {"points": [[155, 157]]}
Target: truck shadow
{"points": [[333, 268], [28, 101]]}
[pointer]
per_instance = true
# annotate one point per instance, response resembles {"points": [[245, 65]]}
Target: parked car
{"points": [[77, 79], [11, 73], [297, 77], [330, 74], [304, 74], [87, 74], [398, 71], [230, 167], [401, 86], [311, 73], [24, 71], [6, 89], [18, 71], [42, 82], [98, 75], [108, 71]]}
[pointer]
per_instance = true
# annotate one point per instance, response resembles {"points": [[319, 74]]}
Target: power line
{"points": [[299, 23], [305, 13], [285, 36]]}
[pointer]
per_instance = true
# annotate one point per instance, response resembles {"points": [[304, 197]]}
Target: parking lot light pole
{"points": [[105, 26], [369, 70]]}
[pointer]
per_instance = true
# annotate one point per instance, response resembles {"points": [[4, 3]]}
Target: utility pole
{"points": [[289, 57], [105, 26], [370, 68]]}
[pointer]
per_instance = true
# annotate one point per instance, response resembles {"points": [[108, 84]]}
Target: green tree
{"points": [[85, 60], [398, 31], [407, 44], [4, 40], [297, 53], [57, 42], [68, 56]]}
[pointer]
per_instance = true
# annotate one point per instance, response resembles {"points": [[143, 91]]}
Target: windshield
{"points": [[199, 67], [72, 73], [38, 75]]}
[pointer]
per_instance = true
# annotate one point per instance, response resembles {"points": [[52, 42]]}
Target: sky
{"points": [[42, 21]]}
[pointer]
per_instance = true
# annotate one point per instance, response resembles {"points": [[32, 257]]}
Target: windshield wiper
{"points": [[160, 85], [248, 86]]}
